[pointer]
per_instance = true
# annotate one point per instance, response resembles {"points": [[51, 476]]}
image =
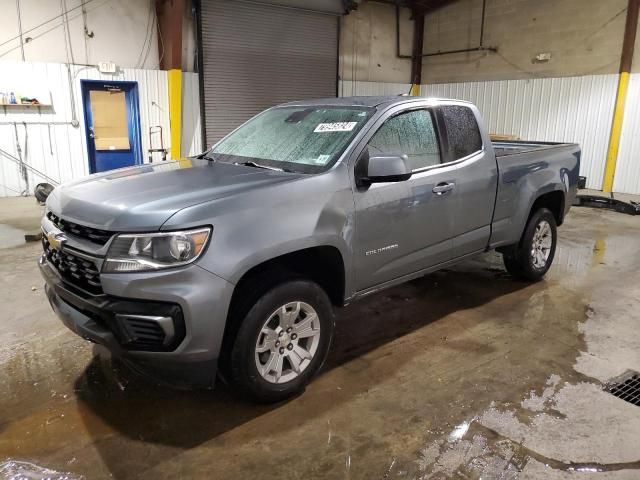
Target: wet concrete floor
{"points": [[464, 373], [18, 216]]}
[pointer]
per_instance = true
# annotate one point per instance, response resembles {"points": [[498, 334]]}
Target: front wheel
{"points": [[532, 257], [282, 342]]}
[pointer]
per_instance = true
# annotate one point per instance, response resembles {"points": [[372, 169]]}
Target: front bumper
{"points": [[196, 299]]}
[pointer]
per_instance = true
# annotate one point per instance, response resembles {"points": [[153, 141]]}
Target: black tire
{"points": [[520, 261], [243, 368]]}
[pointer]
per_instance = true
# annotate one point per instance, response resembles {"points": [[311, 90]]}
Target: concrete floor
{"points": [[18, 216], [465, 373]]}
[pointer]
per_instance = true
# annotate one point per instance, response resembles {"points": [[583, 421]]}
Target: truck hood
{"points": [[143, 198]]}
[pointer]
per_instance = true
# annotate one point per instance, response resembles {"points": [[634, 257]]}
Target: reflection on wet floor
{"points": [[10, 236], [464, 373], [15, 470]]}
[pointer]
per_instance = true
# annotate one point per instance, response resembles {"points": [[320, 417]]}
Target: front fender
{"points": [[260, 225]]}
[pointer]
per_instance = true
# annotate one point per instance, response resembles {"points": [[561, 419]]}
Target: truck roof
{"points": [[363, 101]]}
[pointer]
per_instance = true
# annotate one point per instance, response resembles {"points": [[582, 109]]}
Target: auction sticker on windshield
{"points": [[335, 127]]}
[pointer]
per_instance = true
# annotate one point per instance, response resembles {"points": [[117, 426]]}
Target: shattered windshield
{"points": [[300, 139]]}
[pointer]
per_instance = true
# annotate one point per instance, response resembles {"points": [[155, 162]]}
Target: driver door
{"points": [[404, 227]]}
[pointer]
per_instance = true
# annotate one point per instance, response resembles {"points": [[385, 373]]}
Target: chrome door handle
{"points": [[443, 188]]}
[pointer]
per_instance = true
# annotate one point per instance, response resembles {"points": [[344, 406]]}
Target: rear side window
{"points": [[462, 130], [412, 134]]}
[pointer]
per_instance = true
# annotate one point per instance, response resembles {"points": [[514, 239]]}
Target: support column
{"points": [[630, 30], [175, 111], [416, 53], [170, 14]]}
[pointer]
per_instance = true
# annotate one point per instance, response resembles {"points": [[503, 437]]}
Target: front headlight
{"points": [[136, 252]]}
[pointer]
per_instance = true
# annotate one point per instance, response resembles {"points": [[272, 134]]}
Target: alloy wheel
{"points": [[287, 342], [541, 244]]}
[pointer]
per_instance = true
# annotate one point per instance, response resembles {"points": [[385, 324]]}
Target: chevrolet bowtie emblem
{"points": [[56, 240]]}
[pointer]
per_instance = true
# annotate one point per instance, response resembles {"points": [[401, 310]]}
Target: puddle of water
{"points": [[460, 430], [10, 236], [17, 470]]}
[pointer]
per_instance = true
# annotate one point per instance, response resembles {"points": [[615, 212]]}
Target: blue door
{"points": [[112, 124]]}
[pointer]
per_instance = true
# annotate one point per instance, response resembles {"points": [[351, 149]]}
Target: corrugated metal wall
{"points": [[627, 179], [572, 109], [577, 109], [56, 149], [348, 88], [191, 124], [256, 56], [52, 145]]}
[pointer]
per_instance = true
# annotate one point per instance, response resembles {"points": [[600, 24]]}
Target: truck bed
{"points": [[513, 147], [527, 170]]}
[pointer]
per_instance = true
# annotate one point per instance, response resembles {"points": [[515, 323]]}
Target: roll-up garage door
{"points": [[257, 55]]}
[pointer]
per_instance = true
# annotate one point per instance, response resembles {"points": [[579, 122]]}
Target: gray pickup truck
{"points": [[235, 260]]}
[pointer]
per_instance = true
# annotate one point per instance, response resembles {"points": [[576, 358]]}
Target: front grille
{"points": [[627, 388], [74, 269], [143, 334], [92, 234]]}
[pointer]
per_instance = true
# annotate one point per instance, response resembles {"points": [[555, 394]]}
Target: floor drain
{"points": [[626, 387]]}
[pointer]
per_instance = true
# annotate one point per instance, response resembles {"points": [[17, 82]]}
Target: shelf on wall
{"points": [[48, 97], [29, 106], [26, 105]]}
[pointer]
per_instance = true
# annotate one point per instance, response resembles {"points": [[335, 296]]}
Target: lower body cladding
{"points": [[167, 324]]}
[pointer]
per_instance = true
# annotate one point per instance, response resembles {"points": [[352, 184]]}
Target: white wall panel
{"points": [[347, 88], [48, 140], [627, 179], [191, 124], [570, 109]]}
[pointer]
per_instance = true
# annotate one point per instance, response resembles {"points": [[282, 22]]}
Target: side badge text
{"points": [[381, 249]]}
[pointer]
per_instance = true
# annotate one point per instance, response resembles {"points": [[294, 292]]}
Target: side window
{"points": [[462, 130], [412, 134]]}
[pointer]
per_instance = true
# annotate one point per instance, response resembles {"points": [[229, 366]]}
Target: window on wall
{"points": [[462, 130], [412, 134], [110, 124]]}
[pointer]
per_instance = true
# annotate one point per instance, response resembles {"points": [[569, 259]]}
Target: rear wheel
{"points": [[532, 257], [282, 342]]}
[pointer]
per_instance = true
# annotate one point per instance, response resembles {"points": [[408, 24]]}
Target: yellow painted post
{"points": [[626, 59], [616, 131], [415, 90], [175, 111]]}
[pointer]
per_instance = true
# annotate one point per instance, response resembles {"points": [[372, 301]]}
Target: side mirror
{"points": [[384, 168]]}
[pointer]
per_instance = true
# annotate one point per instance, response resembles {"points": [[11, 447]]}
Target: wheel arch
{"points": [[323, 265], [553, 201]]}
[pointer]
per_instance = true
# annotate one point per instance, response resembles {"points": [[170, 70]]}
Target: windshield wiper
{"points": [[250, 163]]}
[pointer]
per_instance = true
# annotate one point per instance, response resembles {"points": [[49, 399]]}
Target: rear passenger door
{"points": [[404, 227], [477, 178]]}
